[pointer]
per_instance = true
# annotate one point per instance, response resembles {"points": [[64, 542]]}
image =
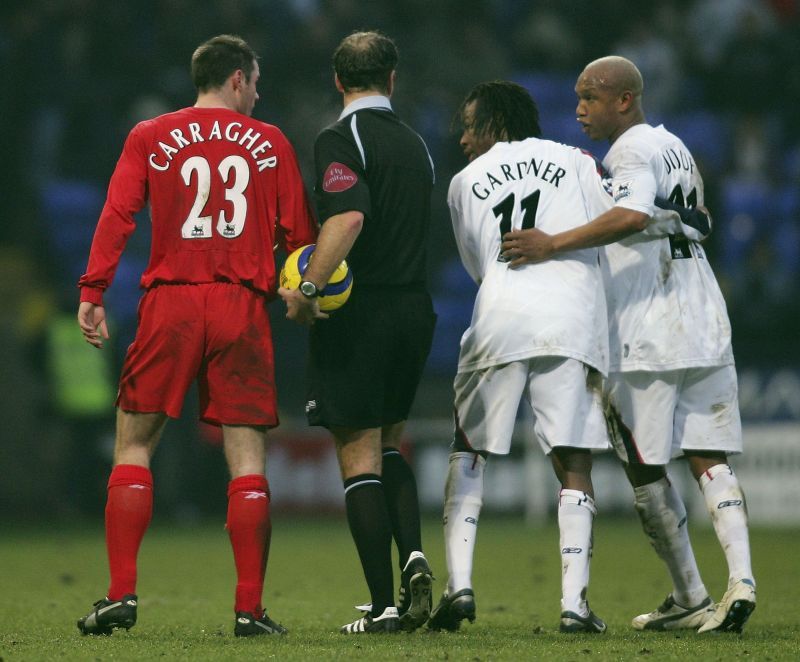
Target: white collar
{"points": [[374, 101]]}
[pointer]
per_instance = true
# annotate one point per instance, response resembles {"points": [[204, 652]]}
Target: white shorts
{"points": [[654, 417], [564, 394]]}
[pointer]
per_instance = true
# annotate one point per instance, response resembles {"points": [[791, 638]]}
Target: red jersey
{"points": [[223, 189]]}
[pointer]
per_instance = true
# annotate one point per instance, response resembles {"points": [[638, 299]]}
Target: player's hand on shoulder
{"points": [[92, 321], [527, 246], [300, 308]]}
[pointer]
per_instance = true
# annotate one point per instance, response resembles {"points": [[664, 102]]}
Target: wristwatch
{"points": [[308, 289]]}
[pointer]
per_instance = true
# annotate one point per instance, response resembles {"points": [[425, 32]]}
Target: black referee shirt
{"points": [[369, 161]]}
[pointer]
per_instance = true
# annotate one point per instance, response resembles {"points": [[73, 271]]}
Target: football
{"points": [[334, 294]]}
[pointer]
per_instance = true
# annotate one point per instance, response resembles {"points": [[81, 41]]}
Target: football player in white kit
{"points": [[538, 333], [672, 386]]}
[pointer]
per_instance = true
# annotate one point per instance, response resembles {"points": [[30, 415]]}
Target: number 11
{"points": [[504, 210]]}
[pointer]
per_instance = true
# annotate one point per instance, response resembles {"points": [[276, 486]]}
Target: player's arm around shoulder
{"points": [[632, 189], [614, 223], [532, 245]]}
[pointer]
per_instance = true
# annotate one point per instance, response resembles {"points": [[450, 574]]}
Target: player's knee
{"points": [[460, 446], [644, 474], [702, 461]]}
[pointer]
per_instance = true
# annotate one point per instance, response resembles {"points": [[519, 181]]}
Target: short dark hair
{"points": [[503, 110], [216, 59], [365, 60]]}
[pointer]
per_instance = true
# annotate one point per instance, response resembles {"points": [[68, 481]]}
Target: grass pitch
{"points": [[51, 576]]}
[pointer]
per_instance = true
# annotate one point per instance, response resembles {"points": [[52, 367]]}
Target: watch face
{"points": [[308, 288]]}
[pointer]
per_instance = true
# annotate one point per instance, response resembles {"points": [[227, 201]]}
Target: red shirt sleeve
{"points": [[127, 193]]}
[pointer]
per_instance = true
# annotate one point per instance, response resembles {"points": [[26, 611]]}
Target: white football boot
{"points": [[734, 609], [672, 616]]}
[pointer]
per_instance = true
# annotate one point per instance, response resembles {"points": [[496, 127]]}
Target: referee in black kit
{"points": [[374, 177]]}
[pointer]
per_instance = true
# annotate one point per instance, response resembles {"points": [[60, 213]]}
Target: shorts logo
{"points": [[622, 190], [729, 503], [338, 177], [571, 550], [679, 247], [311, 405]]}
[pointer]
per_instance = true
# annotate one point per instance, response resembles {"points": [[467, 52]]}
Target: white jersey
{"points": [[556, 308], [666, 311]]}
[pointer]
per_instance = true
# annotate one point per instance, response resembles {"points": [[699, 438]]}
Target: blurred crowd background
{"points": [[76, 75]]}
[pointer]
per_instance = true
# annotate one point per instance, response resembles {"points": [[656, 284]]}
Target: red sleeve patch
{"points": [[338, 177]]}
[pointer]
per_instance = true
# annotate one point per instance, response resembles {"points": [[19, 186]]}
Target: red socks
{"points": [[130, 507], [128, 511], [249, 529]]}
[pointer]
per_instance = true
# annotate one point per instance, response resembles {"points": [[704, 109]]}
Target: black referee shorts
{"points": [[366, 361]]}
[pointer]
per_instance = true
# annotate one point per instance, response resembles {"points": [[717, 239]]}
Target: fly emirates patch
{"points": [[232, 132], [338, 177], [499, 175]]}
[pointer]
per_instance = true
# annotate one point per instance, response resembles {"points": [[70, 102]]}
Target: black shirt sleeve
{"points": [[340, 182]]}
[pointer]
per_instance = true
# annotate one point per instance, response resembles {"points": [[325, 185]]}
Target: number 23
{"points": [[199, 227]]}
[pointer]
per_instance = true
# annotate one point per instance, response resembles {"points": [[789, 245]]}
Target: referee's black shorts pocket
{"points": [[365, 365]]}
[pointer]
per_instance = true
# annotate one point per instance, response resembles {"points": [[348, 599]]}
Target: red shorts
{"points": [[217, 333]]}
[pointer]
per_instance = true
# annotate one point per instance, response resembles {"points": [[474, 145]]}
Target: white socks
{"points": [[726, 505], [576, 512], [462, 508], [663, 517]]}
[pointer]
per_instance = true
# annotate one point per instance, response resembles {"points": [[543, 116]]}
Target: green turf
{"points": [[50, 578]]}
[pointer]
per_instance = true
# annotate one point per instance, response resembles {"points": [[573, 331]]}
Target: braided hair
{"points": [[503, 110]]}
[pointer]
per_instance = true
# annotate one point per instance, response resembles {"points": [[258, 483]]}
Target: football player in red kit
{"points": [[223, 190]]}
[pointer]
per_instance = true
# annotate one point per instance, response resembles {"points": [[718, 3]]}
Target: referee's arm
{"points": [[336, 238]]}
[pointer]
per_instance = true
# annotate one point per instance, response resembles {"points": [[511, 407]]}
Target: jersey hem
{"points": [[673, 365], [523, 356]]}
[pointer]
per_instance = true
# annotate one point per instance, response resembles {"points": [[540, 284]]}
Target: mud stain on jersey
{"points": [[619, 434], [721, 413], [665, 259]]}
